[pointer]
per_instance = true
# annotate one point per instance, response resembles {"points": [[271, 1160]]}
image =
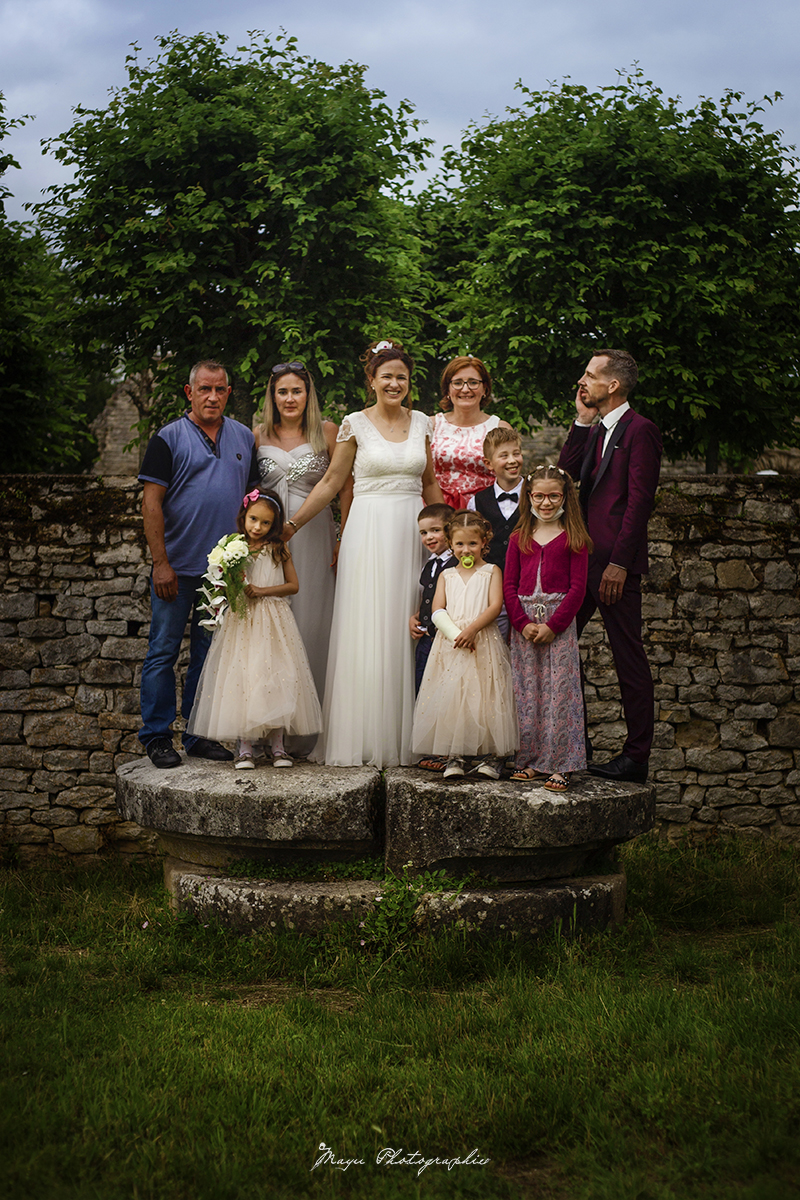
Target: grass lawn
{"points": [[147, 1057]]}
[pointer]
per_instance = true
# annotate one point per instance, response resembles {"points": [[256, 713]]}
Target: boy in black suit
{"points": [[432, 521], [502, 453]]}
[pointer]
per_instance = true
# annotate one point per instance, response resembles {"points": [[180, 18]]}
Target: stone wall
{"points": [[722, 629], [722, 612], [74, 616]]}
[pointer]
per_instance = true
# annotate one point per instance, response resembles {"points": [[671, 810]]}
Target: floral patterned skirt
{"points": [[547, 687]]}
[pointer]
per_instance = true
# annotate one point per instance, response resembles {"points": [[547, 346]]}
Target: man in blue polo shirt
{"points": [[195, 471]]}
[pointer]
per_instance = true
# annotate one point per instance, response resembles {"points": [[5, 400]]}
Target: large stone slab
{"points": [[508, 831], [208, 813], [574, 905], [247, 905]]}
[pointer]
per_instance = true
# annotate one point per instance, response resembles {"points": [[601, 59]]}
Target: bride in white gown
{"points": [[369, 689]]}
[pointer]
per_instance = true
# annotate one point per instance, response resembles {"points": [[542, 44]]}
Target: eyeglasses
{"points": [[459, 384], [540, 497], [292, 366]]}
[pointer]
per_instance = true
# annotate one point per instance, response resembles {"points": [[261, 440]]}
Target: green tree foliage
{"points": [[246, 207], [617, 218], [42, 392], [446, 230]]}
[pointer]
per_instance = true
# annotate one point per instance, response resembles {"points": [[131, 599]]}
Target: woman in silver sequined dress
{"points": [[294, 451]]}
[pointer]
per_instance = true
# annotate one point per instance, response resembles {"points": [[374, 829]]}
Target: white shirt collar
{"points": [[610, 419]]}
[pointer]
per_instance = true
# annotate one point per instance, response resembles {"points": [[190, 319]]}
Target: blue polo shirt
{"points": [[205, 484]]}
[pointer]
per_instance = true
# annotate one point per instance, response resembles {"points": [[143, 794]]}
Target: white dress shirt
{"points": [[506, 506], [608, 422]]}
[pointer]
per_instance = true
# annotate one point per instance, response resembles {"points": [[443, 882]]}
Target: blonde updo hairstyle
{"points": [[461, 364], [390, 351]]}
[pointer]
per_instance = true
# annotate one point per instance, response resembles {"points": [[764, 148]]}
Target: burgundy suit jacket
{"points": [[618, 503]]}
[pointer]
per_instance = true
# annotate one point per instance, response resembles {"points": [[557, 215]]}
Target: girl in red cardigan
{"points": [[544, 583]]}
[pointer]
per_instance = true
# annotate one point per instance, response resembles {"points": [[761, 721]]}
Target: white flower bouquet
{"points": [[224, 581]]}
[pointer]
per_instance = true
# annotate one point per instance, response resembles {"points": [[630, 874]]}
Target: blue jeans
{"points": [[167, 626]]}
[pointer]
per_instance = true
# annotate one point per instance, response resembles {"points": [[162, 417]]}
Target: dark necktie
{"points": [[508, 496], [601, 437]]}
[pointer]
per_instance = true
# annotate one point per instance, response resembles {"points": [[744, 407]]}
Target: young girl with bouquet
{"points": [[256, 682]]}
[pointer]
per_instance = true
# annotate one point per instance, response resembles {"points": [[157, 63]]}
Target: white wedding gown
{"points": [[369, 692]]}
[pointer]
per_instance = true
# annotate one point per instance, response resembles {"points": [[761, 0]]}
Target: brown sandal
{"points": [[432, 763], [558, 782], [525, 774]]}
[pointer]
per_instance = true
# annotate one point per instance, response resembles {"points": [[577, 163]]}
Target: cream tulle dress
{"points": [[466, 702], [256, 675]]}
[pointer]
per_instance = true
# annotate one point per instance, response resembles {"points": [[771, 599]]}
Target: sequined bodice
{"points": [[291, 473]]}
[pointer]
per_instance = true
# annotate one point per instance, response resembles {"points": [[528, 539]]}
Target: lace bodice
{"points": [[382, 466]]}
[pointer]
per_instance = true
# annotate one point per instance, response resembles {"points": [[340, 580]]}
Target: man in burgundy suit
{"points": [[617, 462]]}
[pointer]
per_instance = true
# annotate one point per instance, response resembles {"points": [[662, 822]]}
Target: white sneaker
{"points": [[490, 767], [454, 768], [282, 759], [244, 762]]}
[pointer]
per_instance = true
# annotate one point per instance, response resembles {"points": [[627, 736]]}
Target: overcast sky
{"points": [[456, 60]]}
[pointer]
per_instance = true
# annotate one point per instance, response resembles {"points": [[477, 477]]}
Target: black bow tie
{"points": [[508, 496]]}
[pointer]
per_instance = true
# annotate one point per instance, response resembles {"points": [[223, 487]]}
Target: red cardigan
{"points": [[562, 571]]}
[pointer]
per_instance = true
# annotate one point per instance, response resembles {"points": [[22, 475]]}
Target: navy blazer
{"points": [[428, 580]]}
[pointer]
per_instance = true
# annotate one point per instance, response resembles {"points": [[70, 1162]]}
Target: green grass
{"points": [[150, 1057]]}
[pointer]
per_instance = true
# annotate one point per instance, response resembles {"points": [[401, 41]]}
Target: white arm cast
{"points": [[445, 624]]}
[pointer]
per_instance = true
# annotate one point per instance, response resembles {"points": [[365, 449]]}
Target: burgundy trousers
{"points": [[623, 622]]}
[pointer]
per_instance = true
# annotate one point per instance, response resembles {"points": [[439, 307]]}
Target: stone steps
{"points": [[537, 851]]}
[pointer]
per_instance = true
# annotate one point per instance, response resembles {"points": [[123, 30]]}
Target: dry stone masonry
{"points": [[722, 628], [722, 623], [74, 616]]}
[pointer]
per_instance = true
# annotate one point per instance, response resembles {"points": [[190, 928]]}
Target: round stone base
{"points": [[506, 831], [247, 905], [210, 814], [533, 857]]}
